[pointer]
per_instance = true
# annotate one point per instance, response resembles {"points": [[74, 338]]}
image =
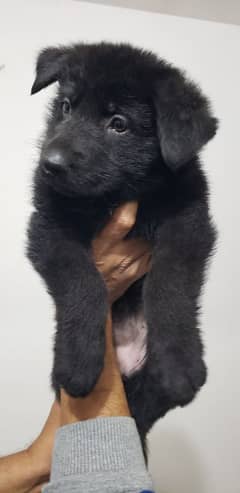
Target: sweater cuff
{"points": [[97, 445], [98, 449]]}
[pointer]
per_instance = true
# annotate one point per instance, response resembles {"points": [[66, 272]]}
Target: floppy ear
{"points": [[49, 67], [184, 119]]}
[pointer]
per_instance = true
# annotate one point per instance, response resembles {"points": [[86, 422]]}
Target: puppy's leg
{"points": [[81, 305], [171, 294], [130, 335], [147, 399]]}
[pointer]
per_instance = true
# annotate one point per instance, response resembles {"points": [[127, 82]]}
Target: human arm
{"points": [[27, 470]]}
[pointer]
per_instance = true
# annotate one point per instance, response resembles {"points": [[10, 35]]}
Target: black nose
{"points": [[54, 162]]}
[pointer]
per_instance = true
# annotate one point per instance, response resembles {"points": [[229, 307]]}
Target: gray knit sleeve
{"points": [[99, 455]]}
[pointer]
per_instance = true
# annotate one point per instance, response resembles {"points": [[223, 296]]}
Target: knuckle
{"points": [[132, 271], [126, 222], [124, 265]]}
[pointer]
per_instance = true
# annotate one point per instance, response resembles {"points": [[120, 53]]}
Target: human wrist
{"points": [[103, 402]]}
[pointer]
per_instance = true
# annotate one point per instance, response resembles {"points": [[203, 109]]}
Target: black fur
{"points": [[154, 160]]}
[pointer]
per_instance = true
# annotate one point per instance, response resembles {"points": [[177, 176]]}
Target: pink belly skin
{"points": [[130, 341]]}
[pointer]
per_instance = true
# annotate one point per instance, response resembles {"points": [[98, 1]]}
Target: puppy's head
{"points": [[119, 112]]}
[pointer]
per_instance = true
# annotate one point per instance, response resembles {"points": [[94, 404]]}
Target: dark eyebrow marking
{"points": [[71, 90], [111, 107]]}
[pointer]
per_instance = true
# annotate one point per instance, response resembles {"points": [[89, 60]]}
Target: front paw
{"points": [[77, 378], [181, 378]]}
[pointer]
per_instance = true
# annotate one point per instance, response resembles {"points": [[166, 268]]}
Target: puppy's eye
{"points": [[66, 107], [118, 123]]}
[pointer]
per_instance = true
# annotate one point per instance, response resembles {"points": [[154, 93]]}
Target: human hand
{"points": [[121, 261]]}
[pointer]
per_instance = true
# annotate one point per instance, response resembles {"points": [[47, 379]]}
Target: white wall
{"points": [[213, 10], [192, 450]]}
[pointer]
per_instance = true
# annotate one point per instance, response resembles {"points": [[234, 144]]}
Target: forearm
{"points": [[23, 471], [102, 454], [19, 474]]}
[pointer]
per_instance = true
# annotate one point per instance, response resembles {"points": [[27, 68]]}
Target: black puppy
{"points": [[124, 125]]}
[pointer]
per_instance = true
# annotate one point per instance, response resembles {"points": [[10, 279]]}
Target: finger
{"points": [[130, 251], [121, 255], [121, 281], [122, 220], [144, 266], [138, 268]]}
